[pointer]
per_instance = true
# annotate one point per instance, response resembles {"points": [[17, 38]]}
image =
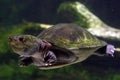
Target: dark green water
{"points": [[15, 16]]}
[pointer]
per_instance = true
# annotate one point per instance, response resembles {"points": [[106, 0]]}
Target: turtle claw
{"points": [[110, 49]]}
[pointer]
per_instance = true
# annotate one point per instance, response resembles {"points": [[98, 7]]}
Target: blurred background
{"points": [[25, 17]]}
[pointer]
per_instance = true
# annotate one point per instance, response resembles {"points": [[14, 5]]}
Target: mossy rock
{"points": [[76, 12]]}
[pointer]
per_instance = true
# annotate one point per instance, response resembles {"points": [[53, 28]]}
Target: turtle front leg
{"points": [[25, 60], [50, 58]]}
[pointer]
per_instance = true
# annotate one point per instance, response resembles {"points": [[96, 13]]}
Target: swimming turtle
{"points": [[58, 46]]}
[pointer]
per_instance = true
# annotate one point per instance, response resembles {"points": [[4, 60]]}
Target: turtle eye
{"points": [[21, 39]]}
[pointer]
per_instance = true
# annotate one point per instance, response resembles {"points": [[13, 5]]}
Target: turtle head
{"points": [[21, 43]]}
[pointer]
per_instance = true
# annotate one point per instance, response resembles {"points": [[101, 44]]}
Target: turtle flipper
{"points": [[25, 61]]}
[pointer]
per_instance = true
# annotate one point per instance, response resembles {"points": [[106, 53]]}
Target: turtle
{"points": [[58, 46]]}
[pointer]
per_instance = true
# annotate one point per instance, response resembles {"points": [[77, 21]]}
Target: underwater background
{"points": [[26, 17]]}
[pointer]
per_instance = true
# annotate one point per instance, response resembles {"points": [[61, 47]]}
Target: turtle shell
{"points": [[70, 36], [71, 43]]}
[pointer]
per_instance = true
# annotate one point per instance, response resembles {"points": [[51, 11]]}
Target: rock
{"points": [[78, 13]]}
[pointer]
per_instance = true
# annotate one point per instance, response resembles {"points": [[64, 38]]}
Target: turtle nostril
{"points": [[10, 38]]}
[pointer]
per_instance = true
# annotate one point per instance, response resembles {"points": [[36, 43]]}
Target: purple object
{"points": [[110, 49]]}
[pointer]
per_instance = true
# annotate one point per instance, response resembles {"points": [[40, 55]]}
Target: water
{"points": [[24, 17]]}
